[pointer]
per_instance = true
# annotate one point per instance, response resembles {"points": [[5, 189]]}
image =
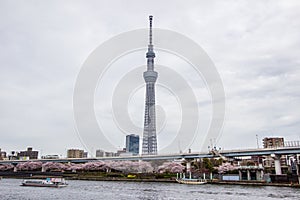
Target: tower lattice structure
{"points": [[149, 146]]}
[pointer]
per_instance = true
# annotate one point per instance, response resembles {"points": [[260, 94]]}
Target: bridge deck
{"points": [[225, 153]]}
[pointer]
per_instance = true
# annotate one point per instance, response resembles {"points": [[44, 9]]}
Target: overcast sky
{"points": [[255, 46]]}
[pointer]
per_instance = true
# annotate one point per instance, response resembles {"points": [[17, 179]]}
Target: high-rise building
{"points": [[75, 153], [149, 145], [133, 144]]}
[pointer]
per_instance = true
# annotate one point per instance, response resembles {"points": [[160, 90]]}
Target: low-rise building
{"points": [[28, 154], [13, 155], [121, 151], [75, 153], [2, 155], [101, 153], [85, 154], [273, 142]]}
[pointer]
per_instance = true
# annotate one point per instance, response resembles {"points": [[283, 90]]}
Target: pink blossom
{"points": [[6, 167], [172, 167], [29, 166], [225, 167]]}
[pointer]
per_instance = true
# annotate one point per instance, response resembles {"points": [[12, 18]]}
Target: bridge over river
{"points": [[276, 153], [222, 153]]}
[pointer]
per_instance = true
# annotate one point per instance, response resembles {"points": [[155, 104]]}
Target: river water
{"points": [[88, 190]]}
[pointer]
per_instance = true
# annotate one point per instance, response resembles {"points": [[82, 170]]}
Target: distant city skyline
{"points": [[254, 45]]}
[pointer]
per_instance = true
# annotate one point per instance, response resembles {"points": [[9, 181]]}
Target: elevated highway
{"points": [[188, 156]]}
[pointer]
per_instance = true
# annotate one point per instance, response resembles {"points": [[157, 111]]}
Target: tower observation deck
{"points": [[149, 146]]}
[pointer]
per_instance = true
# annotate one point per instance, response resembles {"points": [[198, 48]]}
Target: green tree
{"points": [[207, 164]]}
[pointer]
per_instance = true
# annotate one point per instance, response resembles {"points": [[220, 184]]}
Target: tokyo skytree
{"points": [[149, 146]]}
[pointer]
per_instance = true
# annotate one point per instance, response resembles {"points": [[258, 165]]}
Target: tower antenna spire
{"points": [[150, 29]]}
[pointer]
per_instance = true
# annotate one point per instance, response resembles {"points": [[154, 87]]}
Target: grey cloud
{"points": [[254, 44]]}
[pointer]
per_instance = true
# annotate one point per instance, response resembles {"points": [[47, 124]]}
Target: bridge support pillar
{"points": [[248, 175], [15, 166], [188, 169], [298, 169], [188, 166], [277, 165], [43, 169], [259, 175]]}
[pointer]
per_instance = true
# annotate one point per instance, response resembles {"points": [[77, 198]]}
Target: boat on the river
{"points": [[49, 182], [191, 181]]}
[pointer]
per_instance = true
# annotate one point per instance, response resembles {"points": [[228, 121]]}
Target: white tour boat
{"points": [[49, 182]]}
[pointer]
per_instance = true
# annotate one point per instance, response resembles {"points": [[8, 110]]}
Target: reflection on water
{"points": [[89, 190]]}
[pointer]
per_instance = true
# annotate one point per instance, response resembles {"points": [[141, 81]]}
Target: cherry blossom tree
{"points": [[6, 167], [122, 166], [54, 166], [73, 167], [171, 167], [145, 167], [225, 167], [94, 166], [104, 166], [129, 166], [29, 166]]}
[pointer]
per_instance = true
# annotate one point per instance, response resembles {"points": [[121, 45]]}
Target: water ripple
{"points": [[94, 190]]}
